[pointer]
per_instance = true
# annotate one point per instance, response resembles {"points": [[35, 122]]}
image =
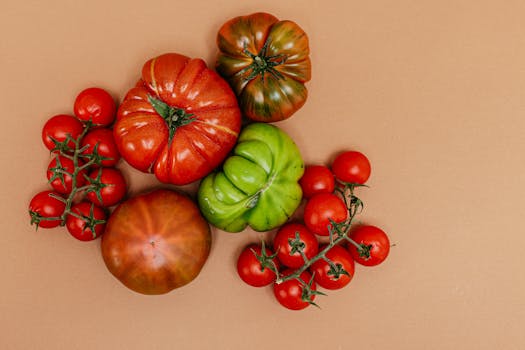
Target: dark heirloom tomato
{"points": [[156, 242], [180, 120], [266, 62]]}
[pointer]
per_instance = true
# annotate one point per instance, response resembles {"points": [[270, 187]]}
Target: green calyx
{"points": [[173, 116], [262, 63]]}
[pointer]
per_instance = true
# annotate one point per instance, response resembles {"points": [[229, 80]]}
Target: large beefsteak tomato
{"points": [[179, 121]]}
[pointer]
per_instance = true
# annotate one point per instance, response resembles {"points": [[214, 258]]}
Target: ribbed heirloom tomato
{"points": [[179, 121]]}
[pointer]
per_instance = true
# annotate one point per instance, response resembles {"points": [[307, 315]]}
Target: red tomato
{"points": [[326, 276], [351, 167], [60, 181], [317, 179], [110, 183], [250, 269], [43, 207], [290, 293], [91, 224], [97, 105], [322, 208], [284, 242], [179, 122], [58, 127], [374, 243], [106, 146]]}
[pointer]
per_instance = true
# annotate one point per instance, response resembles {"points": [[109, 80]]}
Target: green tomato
{"points": [[258, 185]]}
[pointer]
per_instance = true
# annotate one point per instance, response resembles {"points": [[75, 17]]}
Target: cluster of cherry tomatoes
{"points": [[323, 250], [81, 173]]}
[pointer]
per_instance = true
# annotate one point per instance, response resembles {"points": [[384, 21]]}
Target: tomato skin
{"points": [[320, 268], [95, 104], [250, 269], [67, 165], [77, 226], [106, 145], [114, 189], [317, 179], [352, 167], [320, 209], [289, 293], [283, 248], [374, 236], [48, 207], [58, 127]]}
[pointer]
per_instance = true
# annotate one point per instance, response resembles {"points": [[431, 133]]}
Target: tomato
{"points": [[285, 241], [266, 61], [351, 167], [180, 121], [109, 183], [374, 243], [250, 269], [322, 208], [290, 293], [334, 277], [317, 179], [59, 173], [89, 225], [43, 207], [156, 242], [97, 105], [58, 128], [106, 146]]}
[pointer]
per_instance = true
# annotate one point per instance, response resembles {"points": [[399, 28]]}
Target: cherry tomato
{"points": [[352, 167], [317, 179], [284, 242], [322, 208], [250, 268], [43, 206], [60, 181], [106, 146], [110, 183], [58, 128], [330, 277], [97, 105], [92, 223], [290, 293], [374, 243]]}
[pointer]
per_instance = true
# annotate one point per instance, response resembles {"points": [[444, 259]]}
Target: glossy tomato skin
{"points": [[79, 227], [317, 179], [114, 186], [58, 127], [59, 163], [374, 238], [289, 293], [156, 242], [45, 206], [106, 145], [281, 243], [321, 269], [192, 146], [97, 105], [250, 270], [320, 209], [352, 167]]}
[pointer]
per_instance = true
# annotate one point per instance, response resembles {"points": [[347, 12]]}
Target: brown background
{"points": [[432, 91]]}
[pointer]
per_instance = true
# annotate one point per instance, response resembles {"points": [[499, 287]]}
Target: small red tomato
{"points": [[351, 167], [317, 179], [89, 225], [97, 105], [290, 293], [288, 247], [374, 245], [111, 185], [337, 276], [106, 146], [43, 207], [58, 128], [250, 269], [322, 208], [58, 174]]}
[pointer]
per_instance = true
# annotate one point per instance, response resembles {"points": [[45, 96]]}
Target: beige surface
{"points": [[432, 91]]}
